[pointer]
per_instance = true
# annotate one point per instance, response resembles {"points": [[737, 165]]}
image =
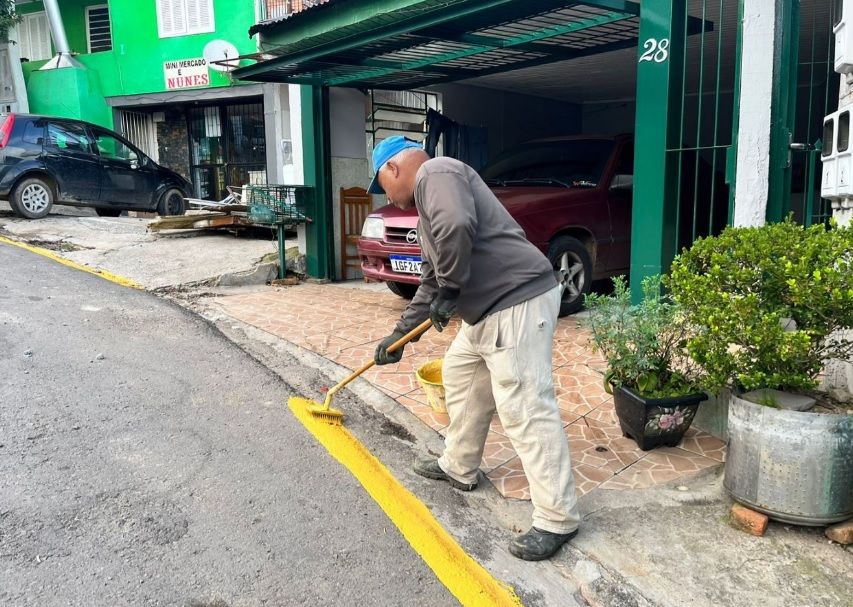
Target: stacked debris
{"points": [[229, 212], [249, 206]]}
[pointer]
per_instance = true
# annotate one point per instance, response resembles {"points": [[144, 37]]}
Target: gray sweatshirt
{"points": [[471, 247]]}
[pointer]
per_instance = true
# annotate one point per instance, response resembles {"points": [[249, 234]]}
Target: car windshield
{"points": [[574, 163]]}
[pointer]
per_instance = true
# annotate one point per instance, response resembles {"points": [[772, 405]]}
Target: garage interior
{"points": [[516, 71]]}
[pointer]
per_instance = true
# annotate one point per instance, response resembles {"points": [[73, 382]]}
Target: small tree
{"points": [[8, 19], [770, 304]]}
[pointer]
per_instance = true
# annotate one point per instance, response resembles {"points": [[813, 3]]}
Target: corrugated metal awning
{"points": [[436, 41]]}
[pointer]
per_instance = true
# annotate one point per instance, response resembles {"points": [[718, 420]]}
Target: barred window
{"points": [[98, 30]]}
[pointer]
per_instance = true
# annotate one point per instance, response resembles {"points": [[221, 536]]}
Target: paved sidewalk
{"points": [[123, 246], [343, 322]]}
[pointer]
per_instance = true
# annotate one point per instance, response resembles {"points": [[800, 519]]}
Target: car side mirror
{"points": [[622, 183]]}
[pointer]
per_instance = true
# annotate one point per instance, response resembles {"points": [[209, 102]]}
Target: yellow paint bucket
{"points": [[429, 377]]}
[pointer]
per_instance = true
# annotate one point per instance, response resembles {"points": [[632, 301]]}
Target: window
{"points": [[843, 131], [34, 132], [180, 17], [98, 30], [114, 149], [34, 37], [68, 137], [573, 163], [626, 162], [828, 137]]}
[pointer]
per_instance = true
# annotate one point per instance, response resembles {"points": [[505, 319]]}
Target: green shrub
{"points": [[742, 289], [643, 344], [8, 18]]}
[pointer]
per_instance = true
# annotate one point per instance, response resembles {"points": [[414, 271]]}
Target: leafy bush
{"points": [[768, 304], [644, 344], [8, 18]]}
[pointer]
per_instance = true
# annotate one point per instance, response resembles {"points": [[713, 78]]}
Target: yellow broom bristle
{"points": [[318, 411]]}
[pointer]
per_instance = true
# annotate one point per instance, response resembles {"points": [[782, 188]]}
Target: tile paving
{"points": [[343, 323]]}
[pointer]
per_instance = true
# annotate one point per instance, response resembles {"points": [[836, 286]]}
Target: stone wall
{"points": [[173, 143]]}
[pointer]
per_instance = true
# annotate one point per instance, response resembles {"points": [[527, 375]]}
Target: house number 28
{"points": [[656, 50]]}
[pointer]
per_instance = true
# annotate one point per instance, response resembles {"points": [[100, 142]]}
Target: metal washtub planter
{"points": [[795, 467]]}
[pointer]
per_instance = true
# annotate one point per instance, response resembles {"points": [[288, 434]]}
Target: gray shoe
{"points": [[538, 545], [429, 468]]}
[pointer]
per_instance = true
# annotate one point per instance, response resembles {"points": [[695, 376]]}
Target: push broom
{"points": [[325, 412]]}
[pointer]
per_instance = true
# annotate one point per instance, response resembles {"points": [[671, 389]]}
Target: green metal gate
{"points": [[816, 95], [707, 132], [686, 125]]}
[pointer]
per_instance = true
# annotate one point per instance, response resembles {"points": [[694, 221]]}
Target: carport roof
{"points": [[408, 44]]}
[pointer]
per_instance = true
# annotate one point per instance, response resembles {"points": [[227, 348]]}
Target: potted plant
{"points": [[653, 382], [771, 305]]}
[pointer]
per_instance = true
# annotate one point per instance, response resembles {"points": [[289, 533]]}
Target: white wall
{"points": [[13, 93], [838, 375], [348, 110], [277, 129], [612, 118], [843, 210], [753, 147], [510, 118]]}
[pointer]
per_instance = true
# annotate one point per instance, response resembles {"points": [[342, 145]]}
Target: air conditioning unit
{"points": [[837, 156]]}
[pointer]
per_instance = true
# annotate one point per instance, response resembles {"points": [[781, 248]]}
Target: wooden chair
{"points": [[356, 204]]}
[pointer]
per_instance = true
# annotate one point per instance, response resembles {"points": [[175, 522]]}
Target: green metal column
{"points": [[783, 111], [660, 91], [317, 164]]}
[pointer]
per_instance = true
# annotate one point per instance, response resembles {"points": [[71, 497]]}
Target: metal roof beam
{"points": [[595, 50], [509, 43], [694, 26], [434, 16], [552, 50], [622, 6]]}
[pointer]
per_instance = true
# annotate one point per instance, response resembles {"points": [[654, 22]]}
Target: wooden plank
{"points": [[180, 222]]}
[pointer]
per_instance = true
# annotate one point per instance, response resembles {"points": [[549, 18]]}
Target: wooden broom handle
{"points": [[416, 332]]}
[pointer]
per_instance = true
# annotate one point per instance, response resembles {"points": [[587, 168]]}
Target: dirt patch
{"points": [[390, 428], [61, 246]]}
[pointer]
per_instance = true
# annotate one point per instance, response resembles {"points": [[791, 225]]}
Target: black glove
{"points": [[442, 308], [382, 356]]}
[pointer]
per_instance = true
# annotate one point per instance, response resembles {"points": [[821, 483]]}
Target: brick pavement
{"points": [[343, 323]]}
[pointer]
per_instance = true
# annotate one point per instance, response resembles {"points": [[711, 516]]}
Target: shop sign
{"points": [[186, 73]]}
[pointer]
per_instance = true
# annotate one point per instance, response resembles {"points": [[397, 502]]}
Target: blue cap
{"points": [[385, 151]]}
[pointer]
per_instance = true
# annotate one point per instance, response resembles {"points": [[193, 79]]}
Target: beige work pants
{"points": [[503, 363]]}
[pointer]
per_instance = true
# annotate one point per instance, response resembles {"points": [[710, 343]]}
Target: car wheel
{"points": [[108, 212], [403, 289], [573, 268], [32, 198], [172, 203]]}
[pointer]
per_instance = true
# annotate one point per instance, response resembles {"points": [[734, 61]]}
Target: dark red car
{"points": [[572, 196]]}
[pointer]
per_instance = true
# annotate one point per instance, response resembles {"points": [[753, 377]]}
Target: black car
{"points": [[46, 160]]}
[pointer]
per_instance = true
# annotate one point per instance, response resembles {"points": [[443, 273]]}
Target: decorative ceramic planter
{"points": [[653, 422], [795, 467]]}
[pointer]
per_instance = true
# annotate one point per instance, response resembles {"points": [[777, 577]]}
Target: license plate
{"points": [[406, 263]]}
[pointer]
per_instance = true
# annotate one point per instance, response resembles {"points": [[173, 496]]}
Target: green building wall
{"points": [[135, 63]]}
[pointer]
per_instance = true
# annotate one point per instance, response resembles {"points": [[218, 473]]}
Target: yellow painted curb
{"points": [[464, 577], [119, 280]]}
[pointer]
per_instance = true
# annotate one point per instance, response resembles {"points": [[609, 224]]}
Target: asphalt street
{"points": [[146, 460]]}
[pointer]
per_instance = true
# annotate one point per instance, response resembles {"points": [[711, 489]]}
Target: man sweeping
{"points": [[478, 263]]}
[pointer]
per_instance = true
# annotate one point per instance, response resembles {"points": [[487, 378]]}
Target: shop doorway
{"points": [[227, 147]]}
